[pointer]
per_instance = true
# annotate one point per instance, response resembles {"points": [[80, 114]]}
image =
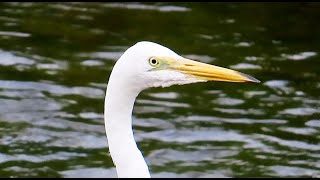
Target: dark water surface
{"points": [[55, 60]]}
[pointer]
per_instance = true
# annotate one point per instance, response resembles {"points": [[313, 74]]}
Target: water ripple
{"points": [[313, 123], [292, 143], [15, 34], [245, 66], [300, 56], [228, 101], [287, 171], [301, 111], [39, 158], [53, 89], [147, 7], [9, 59]]}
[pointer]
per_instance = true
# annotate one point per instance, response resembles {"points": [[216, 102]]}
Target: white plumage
{"points": [[145, 65]]}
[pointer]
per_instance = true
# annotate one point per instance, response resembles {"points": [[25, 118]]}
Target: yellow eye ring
{"points": [[153, 61]]}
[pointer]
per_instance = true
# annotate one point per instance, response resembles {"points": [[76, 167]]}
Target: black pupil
{"points": [[153, 61]]}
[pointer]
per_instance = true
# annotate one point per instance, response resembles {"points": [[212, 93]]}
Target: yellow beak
{"points": [[211, 72]]}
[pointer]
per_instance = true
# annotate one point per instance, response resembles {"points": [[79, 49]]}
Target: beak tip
{"points": [[250, 78], [256, 81]]}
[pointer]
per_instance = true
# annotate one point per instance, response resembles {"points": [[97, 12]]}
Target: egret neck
{"points": [[119, 101]]}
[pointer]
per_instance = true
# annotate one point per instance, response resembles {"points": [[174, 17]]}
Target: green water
{"points": [[55, 60]]}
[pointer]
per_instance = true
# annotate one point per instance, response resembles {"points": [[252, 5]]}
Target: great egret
{"points": [[145, 65]]}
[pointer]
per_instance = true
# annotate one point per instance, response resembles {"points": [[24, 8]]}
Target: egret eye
{"points": [[153, 61]]}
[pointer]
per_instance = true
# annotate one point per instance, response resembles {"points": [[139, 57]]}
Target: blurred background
{"points": [[56, 58]]}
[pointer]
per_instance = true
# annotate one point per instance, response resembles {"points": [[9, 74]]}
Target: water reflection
{"points": [[9, 59], [300, 56], [147, 7], [57, 90], [15, 34]]}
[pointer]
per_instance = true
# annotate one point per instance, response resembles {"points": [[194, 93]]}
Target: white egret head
{"points": [[147, 64]]}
